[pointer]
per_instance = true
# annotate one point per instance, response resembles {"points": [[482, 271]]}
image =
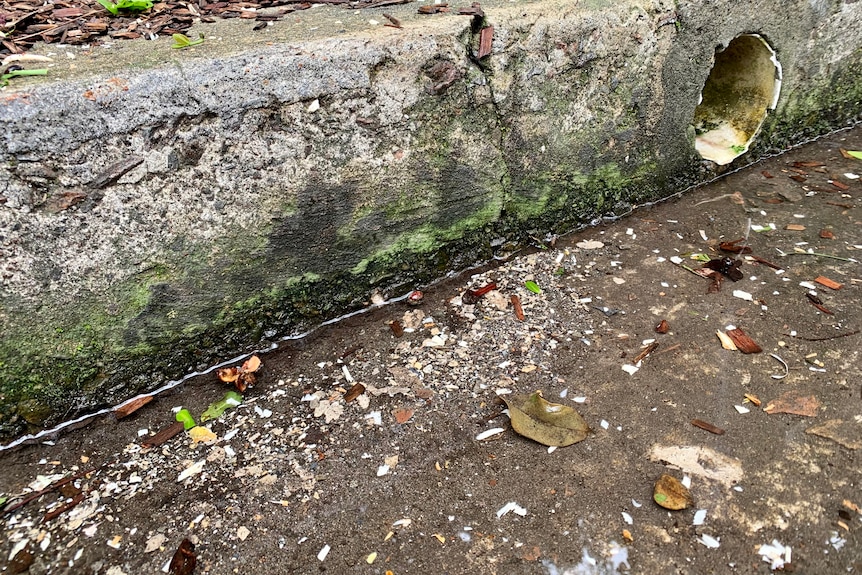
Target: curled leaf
{"points": [[228, 374], [547, 423], [184, 417], [231, 399], [671, 494]]}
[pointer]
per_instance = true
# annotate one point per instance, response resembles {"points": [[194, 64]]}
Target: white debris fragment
{"points": [[264, 413], [346, 373], [637, 503], [191, 470], [676, 260], [579, 399], [552, 449], [489, 433], [604, 424], [402, 522], [513, 507], [17, 548], [374, 418], [699, 517], [703, 235], [382, 470], [742, 295], [709, 541], [777, 555], [590, 244], [851, 176], [628, 518], [630, 369], [314, 106], [686, 481], [808, 285], [741, 409], [324, 551], [242, 532]]}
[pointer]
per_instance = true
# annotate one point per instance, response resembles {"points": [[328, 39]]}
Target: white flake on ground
{"points": [[741, 409], [628, 518], [776, 554], [699, 517], [324, 551], [513, 507], [709, 541], [191, 470]]}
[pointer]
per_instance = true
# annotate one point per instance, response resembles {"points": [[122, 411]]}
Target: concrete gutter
{"points": [[161, 209]]}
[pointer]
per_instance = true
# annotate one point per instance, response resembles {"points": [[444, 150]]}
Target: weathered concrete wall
{"points": [[162, 209]]}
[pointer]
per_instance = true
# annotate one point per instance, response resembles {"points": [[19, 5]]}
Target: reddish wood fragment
{"points": [[767, 175], [767, 263], [396, 328], [470, 296], [486, 36], [519, 311], [707, 426], [808, 164], [402, 415], [164, 435], [433, 8], [474, 10], [795, 227], [56, 485], [845, 206], [662, 327], [840, 185], [645, 352], [846, 154], [825, 281], [798, 178], [742, 342], [827, 234], [734, 247], [816, 302], [54, 513], [132, 406], [184, 560], [354, 392]]}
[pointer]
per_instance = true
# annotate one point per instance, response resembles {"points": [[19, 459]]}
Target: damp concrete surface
{"points": [[163, 209], [307, 475]]}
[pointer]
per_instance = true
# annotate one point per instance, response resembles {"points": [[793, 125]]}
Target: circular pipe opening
{"points": [[743, 84]]}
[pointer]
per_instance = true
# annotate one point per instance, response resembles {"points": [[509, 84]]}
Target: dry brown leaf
{"points": [[671, 494], [251, 365], [548, 423], [228, 374], [794, 403]]}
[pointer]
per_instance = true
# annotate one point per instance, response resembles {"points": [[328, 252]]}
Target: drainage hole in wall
{"points": [[742, 86]]}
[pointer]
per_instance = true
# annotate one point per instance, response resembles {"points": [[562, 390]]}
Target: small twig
{"points": [[707, 426], [854, 332], [818, 254], [645, 352], [57, 484], [53, 514], [760, 260]]}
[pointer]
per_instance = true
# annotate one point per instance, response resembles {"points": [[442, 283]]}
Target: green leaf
{"points": [[532, 286], [183, 41], [109, 6], [214, 411], [855, 153], [186, 418], [547, 423], [134, 5], [4, 79]]}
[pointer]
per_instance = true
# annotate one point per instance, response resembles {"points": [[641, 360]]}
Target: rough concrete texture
{"points": [[162, 209]]}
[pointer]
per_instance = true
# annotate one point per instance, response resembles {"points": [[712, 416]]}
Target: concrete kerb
{"points": [[163, 209]]}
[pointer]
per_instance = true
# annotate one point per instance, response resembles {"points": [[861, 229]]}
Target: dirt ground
{"points": [[299, 480]]}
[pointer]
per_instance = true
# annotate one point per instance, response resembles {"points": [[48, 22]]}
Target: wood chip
{"points": [[825, 281], [354, 392], [795, 227], [827, 234], [840, 185], [662, 327], [486, 37], [164, 435], [707, 426], [132, 406], [645, 352], [519, 311], [742, 342], [794, 403]]}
